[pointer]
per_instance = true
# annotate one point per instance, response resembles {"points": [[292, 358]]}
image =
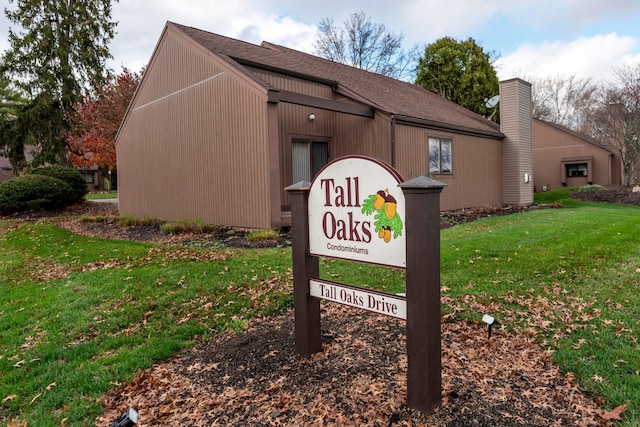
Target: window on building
{"points": [[308, 157], [440, 156], [576, 169], [88, 176]]}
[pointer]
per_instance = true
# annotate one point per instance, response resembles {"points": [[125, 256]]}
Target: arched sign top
{"points": [[357, 212]]}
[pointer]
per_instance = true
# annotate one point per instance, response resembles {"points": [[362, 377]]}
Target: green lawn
{"points": [[101, 195], [80, 314]]}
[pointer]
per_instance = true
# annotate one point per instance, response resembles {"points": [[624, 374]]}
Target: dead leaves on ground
{"points": [[615, 414], [49, 271], [254, 378]]}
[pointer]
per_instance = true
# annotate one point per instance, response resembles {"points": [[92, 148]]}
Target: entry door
{"points": [[308, 157]]}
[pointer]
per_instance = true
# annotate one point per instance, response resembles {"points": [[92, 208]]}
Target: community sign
{"points": [[356, 212]]}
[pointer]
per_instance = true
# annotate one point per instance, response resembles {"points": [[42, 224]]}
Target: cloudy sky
{"points": [[586, 38]]}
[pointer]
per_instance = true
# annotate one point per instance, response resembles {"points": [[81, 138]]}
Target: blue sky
{"points": [[537, 38]]}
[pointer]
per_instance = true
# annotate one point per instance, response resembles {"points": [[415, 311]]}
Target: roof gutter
{"points": [[432, 124]]}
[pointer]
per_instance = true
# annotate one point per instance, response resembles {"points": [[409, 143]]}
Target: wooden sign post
{"points": [[359, 209], [424, 368]]}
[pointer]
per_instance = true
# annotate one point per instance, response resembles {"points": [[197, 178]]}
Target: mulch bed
{"points": [[223, 236], [255, 378], [616, 195]]}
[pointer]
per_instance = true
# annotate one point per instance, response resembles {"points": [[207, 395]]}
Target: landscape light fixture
{"points": [[127, 419], [489, 321], [312, 117]]}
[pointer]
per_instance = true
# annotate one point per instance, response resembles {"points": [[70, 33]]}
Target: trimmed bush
{"points": [[34, 192], [187, 226], [266, 234], [69, 175], [591, 187]]}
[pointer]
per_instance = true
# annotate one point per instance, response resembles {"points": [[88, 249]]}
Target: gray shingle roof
{"points": [[404, 100]]}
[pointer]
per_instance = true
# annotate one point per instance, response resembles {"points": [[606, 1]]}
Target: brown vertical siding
{"points": [[293, 84], [476, 164], [346, 134], [552, 145], [204, 139], [517, 155], [183, 155]]}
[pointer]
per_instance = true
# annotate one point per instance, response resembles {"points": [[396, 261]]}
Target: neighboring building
{"points": [[219, 127], [565, 158], [95, 181], [6, 169]]}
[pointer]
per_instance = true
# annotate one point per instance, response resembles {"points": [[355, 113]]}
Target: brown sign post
{"points": [[422, 233], [305, 267], [424, 381]]}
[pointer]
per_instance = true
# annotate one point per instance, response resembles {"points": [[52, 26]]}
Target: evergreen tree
{"points": [[460, 71], [60, 49]]}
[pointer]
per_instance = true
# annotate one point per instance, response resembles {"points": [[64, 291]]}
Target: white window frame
{"points": [[440, 156]]}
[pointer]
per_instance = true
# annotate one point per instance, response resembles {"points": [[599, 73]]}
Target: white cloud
{"points": [[585, 57], [570, 48], [141, 23], [284, 31]]}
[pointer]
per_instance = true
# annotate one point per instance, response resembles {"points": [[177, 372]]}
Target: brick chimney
{"points": [[517, 152]]}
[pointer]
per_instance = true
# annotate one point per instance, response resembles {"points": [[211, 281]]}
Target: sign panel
{"points": [[390, 305], [357, 212]]}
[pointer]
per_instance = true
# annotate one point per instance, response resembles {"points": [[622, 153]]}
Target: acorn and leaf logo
{"points": [[386, 219]]}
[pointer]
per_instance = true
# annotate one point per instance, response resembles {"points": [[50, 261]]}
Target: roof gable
{"points": [[404, 100], [577, 135]]}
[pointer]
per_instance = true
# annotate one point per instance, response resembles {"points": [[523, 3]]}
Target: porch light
{"points": [[312, 117]]}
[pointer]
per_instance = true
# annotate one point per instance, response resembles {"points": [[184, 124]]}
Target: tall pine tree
{"points": [[59, 49]]}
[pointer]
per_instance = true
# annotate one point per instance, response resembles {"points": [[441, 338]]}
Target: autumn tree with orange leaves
{"points": [[95, 121]]}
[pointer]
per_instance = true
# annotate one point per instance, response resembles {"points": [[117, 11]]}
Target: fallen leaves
{"points": [[254, 377], [19, 364], [181, 254], [9, 398], [35, 398], [615, 414]]}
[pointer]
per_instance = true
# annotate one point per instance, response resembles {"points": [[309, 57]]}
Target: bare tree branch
{"points": [[367, 45]]}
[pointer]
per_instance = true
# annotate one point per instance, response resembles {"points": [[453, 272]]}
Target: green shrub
{"points": [[94, 219], [591, 187], [129, 221], [69, 175], [267, 234], [187, 226], [34, 192]]}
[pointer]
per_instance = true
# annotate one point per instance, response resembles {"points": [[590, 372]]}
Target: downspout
{"points": [[393, 142]]}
